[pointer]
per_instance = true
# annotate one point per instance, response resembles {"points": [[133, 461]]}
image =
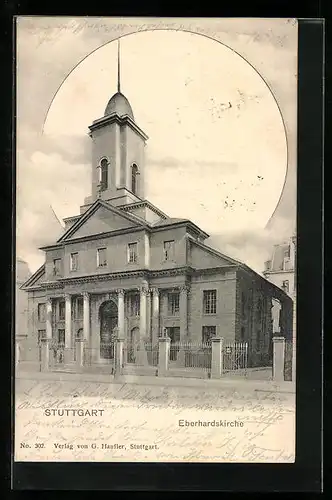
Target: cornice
{"points": [[144, 203], [121, 120], [146, 274]]}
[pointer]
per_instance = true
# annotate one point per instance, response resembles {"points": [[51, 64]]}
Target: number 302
{"points": [[39, 445]]}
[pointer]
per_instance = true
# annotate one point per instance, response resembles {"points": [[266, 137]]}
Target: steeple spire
{"points": [[119, 65]]}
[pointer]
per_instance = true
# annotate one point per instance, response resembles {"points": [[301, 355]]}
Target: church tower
{"points": [[117, 153]]}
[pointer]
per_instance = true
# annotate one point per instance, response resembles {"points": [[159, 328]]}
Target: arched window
{"points": [[103, 174], [134, 173]]}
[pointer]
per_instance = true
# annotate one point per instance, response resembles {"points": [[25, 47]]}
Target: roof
{"points": [[276, 263], [167, 221], [120, 105]]}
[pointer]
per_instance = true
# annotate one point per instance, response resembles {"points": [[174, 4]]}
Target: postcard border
{"points": [[305, 474]]}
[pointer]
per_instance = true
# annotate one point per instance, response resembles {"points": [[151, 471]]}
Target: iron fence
{"points": [[104, 354], [191, 354], [60, 354], [141, 353]]}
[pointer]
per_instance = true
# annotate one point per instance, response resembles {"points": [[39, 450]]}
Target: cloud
{"points": [[45, 180], [170, 162], [253, 247]]}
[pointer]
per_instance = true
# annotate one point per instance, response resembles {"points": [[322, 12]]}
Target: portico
{"points": [[147, 319]]}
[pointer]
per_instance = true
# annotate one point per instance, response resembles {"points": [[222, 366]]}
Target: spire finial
{"points": [[119, 65]]}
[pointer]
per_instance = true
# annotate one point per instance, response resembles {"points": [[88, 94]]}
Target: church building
{"points": [[125, 268]]}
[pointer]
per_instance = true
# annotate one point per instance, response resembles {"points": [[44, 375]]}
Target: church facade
{"points": [[124, 268]]}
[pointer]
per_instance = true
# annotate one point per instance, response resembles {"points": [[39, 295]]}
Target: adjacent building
{"points": [[281, 270], [125, 268]]}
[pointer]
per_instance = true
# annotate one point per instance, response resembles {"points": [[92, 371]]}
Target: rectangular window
{"points": [[208, 332], [61, 336], [78, 308], [101, 257], [132, 253], [41, 312], [41, 335], [57, 267], [134, 304], [169, 250], [173, 303], [62, 311], [285, 286], [74, 261], [210, 301]]}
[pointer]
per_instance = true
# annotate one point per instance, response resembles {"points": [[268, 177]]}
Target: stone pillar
{"points": [[79, 353], [142, 323], [45, 354], [148, 315], [184, 312], [68, 330], [119, 346], [155, 315], [164, 348], [49, 318], [121, 314], [217, 357], [278, 358], [86, 317]]}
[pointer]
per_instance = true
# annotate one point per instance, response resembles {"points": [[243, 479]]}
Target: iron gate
{"points": [[235, 357]]}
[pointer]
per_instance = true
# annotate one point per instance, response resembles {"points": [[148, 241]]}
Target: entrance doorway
{"points": [[108, 314], [173, 333]]}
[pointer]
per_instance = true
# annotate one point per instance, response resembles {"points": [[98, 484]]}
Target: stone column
{"points": [[155, 315], [278, 358], [183, 312], [68, 330], [121, 314], [49, 318], [164, 347], [217, 357], [86, 317], [142, 323]]}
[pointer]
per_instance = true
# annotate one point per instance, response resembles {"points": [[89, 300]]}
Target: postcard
{"points": [[156, 239]]}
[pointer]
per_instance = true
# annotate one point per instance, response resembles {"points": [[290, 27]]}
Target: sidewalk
{"points": [[240, 384]]}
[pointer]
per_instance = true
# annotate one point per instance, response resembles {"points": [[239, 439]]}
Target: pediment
{"points": [[36, 279], [100, 218]]}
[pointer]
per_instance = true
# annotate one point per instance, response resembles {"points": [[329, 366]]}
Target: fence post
{"points": [[278, 358], [79, 346], [119, 345], [45, 354], [217, 357], [164, 346], [141, 354]]}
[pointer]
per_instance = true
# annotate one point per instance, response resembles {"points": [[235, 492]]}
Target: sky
{"points": [[221, 121]]}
